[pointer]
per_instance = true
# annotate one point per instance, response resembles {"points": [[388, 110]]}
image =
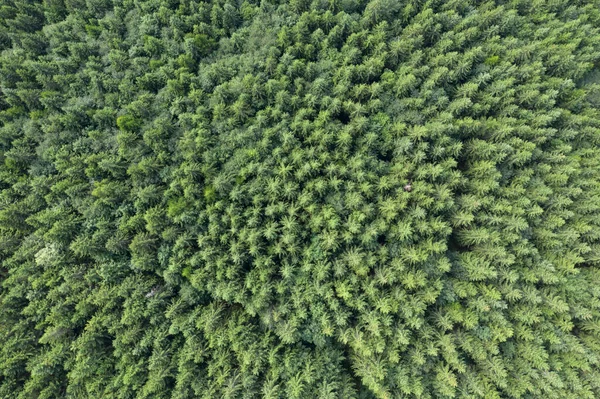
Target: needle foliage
{"points": [[300, 199]]}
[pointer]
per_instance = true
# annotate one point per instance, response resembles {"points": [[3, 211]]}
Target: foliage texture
{"points": [[300, 199]]}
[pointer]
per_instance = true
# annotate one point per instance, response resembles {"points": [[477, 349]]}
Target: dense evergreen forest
{"points": [[320, 199]]}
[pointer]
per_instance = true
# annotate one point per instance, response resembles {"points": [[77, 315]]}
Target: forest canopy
{"points": [[300, 199]]}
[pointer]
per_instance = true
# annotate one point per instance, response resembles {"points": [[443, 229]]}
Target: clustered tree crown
{"points": [[300, 199]]}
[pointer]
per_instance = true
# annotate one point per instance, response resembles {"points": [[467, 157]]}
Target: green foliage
{"points": [[299, 199], [128, 123], [493, 60]]}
